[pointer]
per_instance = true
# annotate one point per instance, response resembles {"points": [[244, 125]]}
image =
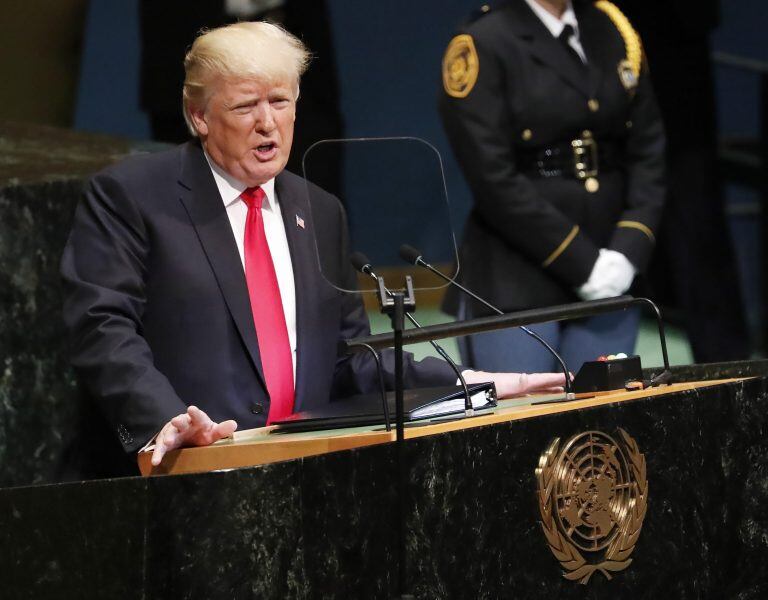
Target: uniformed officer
{"points": [[549, 111]]}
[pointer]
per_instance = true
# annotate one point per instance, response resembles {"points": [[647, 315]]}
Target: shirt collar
{"points": [[230, 188], [551, 22]]}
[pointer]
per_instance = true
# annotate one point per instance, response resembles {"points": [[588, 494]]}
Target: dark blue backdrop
{"points": [[388, 56]]}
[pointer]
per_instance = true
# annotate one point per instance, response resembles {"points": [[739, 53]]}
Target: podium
{"points": [[268, 445], [314, 514]]}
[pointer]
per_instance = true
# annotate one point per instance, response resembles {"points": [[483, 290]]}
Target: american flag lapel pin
{"points": [[299, 222]]}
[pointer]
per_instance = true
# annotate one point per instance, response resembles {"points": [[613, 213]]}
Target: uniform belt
{"points": [[582, 158]]}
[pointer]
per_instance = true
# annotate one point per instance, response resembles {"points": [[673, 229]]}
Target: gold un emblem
{"points": [[593, 494]]}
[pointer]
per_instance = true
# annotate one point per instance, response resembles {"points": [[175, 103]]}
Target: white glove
{"points": [[611, 276]]}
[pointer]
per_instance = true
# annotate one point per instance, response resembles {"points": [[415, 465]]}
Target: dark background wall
{"points": [[741, 32], [41, 48], [388, 56], [738, 95]]}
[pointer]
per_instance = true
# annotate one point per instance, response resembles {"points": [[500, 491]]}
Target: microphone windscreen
{"points": [[409, 254], [360, 261]]}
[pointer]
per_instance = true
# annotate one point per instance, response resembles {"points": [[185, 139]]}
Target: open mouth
{"points": [[266, 151]]}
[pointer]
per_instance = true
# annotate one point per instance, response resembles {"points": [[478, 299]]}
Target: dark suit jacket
{"points": [[531, 94], [158, 308]]}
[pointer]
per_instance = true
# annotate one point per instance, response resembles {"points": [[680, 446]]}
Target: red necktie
{"points": [[267, 309]]}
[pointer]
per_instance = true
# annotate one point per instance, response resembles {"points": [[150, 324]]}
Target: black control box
{"points": [[605, 375]]}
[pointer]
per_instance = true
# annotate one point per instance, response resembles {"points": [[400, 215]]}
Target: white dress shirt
{"points": [[556, 25], [237, 211]]}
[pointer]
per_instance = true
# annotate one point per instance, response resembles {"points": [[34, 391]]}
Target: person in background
{"points": [[550, 113]]}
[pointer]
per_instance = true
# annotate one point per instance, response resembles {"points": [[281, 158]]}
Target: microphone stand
{"points": [[397, 304], [363, 265], [382, 387], [469, 410], [419, 261]]}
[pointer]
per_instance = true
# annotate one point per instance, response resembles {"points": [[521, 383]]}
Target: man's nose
{"points": [[265, 119]]}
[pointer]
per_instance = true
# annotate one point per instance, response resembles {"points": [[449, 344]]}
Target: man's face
{"points": [[247, 127]]}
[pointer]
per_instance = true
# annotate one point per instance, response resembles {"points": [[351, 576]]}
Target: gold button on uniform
{"points": [[591, 185], [527, 134], [593, 104]]}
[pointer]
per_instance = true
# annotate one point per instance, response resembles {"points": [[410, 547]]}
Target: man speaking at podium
{"points": [[193, 293]]}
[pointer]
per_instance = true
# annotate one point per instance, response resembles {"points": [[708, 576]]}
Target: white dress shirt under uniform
{"points": [[237, 212], [556, 25]]}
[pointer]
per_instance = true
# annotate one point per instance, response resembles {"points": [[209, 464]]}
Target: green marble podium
{"points": [[324, 526], [42, 170]]}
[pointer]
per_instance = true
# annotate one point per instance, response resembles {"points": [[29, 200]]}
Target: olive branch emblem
{"points": [[589, 489]]}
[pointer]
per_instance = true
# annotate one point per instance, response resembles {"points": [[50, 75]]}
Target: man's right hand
{"points": [[509, 385], [192, 428]]}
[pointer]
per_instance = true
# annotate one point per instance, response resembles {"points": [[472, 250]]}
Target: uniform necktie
{"points": [[267, 310], [564, 38]]}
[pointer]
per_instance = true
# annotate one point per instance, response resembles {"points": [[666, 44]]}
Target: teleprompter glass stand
{"points": [[396, 303]]}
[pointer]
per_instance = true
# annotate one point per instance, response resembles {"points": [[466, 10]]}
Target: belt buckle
{"points": [[585, 157]]}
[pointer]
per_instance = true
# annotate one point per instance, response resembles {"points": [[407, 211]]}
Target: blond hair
{"points": [[248, 50]]}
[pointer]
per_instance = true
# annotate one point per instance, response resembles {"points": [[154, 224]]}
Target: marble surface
{"points": [[38, 394], [238, 532], [709, 371], [325, 527], [31, 154], [42, 170], [74, 541]]}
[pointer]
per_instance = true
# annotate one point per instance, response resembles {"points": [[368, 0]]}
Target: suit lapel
{"points": [[545, 48], [294, 207], [201, 198]]}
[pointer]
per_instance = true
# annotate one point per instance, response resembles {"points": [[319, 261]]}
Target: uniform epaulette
{"points": [[634, 47]]}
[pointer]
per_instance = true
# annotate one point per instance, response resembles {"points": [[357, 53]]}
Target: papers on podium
{"points": [[418, 404]]}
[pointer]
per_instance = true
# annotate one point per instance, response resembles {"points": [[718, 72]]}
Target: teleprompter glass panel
{"points": [[394, 193]]}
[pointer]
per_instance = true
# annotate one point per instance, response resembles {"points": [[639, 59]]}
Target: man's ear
{"points": [[197, 115]]}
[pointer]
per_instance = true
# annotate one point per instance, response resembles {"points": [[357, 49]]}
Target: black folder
{"points": [[418, 404]]}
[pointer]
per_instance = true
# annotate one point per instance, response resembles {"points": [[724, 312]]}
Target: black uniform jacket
{"points": [[158, 307], [531, 240]]}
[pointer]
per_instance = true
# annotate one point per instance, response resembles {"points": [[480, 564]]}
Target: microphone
{"points": [[411, 255], [363, 264]]}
